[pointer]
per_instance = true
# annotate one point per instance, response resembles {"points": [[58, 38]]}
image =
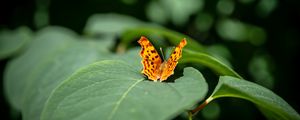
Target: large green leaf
{"points": [[12, 42], [117, 90], [273, 106], [131, 56], [53, 56]]}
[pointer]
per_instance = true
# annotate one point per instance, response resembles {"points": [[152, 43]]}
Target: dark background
{"points": [[281, 45]]}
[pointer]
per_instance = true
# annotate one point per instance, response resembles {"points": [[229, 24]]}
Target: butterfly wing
{"points": [[171, 63], [150, 59]]}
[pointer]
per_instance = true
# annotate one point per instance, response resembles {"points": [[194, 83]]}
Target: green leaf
{"points": [[131, 56], [110, 24], [53, 56], [273, 106], [12, 42], [220, 52], [190, 56], [102, 44], [45, 42], [117, 90]]}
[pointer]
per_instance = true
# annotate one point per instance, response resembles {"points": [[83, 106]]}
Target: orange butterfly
{"points": [[153, 67]]}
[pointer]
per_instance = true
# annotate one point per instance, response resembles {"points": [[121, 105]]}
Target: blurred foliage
{"points": [[12, 42], [260, 68], [257, 38]]}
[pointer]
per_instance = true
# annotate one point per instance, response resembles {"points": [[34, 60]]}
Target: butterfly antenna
{"points": [[162, 53]]}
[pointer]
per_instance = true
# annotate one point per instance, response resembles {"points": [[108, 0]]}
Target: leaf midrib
{"points": [[117, 105]]}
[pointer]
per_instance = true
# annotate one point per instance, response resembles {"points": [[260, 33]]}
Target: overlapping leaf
{"points": [[53, 56], [273, 106]]}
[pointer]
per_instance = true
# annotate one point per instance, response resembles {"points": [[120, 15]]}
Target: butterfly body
{"points": [[153, 66]]}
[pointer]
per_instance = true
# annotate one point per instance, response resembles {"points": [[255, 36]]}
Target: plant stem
{"points": [[190, 115], [200, 107]]}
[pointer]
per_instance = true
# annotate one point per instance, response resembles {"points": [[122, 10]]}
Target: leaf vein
{"points": [[118, 103]]}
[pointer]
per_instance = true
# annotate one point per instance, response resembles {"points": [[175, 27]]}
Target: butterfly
{"points": [[153, 66]]}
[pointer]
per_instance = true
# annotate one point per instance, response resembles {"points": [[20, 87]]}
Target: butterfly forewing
{"points": [[150, 59], [171, 63]]}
